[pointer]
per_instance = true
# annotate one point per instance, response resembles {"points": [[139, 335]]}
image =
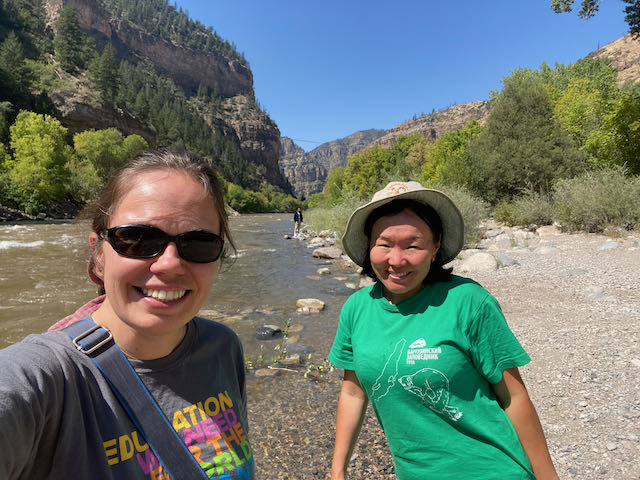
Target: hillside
{"points": [[307, 172], [206, 86], [624, 54]]}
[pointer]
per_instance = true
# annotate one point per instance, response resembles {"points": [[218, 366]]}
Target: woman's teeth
{"points": [[164, 295]]}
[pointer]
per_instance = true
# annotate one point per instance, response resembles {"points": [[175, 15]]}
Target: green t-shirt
{"points": [[427, 365]]}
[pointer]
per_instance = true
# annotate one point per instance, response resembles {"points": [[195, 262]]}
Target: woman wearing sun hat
{"points": [[431, 351]]}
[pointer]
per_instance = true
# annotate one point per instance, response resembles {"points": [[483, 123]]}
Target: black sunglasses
{"points": [[144, 241]]}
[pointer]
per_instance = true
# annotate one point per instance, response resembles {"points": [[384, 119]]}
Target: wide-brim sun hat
{"points": [[356, 243]]}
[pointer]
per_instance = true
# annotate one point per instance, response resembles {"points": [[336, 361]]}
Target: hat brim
{"points": [[356, 243]]}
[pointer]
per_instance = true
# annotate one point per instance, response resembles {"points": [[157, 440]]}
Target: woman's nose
{"points": [[396, 256], [169, 259]]}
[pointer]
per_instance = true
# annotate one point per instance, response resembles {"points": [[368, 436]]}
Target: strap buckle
{"points": [[92, 348]]}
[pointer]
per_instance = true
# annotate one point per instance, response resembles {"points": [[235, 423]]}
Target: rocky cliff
{"points": [[624, 54], [433, 125], [307, 172], [239, 118]]}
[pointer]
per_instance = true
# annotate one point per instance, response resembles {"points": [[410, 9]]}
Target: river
{"points": [[43, 278]]}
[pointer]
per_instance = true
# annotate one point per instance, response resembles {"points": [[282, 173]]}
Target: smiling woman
{"points": [[431, 351], [159, 233]]}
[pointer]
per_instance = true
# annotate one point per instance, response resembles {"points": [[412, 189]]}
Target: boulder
{"points": [[480, 262], [327, 252]]}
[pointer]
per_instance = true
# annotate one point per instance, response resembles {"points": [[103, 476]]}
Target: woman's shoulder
{"points": [[208, 329], [44, 360], [465, 286]]}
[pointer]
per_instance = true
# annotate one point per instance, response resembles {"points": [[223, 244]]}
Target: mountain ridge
{"points": [[624, 54]]}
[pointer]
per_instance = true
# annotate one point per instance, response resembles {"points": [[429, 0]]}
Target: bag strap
{"points": [[97, 343]]}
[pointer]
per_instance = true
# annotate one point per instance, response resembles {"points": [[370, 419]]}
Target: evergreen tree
{"points": [[105, 72], [14, 75], [69, 41]]}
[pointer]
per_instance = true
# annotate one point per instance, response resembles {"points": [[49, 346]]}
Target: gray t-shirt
{"points": [[60, 419]]}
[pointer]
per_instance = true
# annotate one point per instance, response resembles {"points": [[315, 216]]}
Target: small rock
{"points": [[266, 372], [313, 303], [266, 332], [323, 271], [548, 230], [546, 250], [293, 359], [608, 245], [505, 261], [327, 252]]}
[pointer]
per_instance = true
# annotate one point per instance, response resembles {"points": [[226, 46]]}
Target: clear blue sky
{"points": [[324, 70]]}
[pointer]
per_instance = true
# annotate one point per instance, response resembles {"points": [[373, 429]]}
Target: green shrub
{"points": [[473, 209], [333, 217], [597, 200], [530, 208]]}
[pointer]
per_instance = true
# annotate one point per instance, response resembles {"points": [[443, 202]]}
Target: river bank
{"points": [[573, 301]]}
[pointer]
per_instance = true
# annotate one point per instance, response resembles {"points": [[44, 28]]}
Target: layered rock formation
{"points": [[306, 172], [239, 118], [433, 125], [624, 54]]}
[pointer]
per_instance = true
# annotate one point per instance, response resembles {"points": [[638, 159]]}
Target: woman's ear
{"points": [[96, 259]]}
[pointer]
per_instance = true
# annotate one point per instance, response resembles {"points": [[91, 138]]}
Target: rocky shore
{"points": [[573, 300]]}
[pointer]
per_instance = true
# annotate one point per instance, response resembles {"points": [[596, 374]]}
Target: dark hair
{"points": [[100, 210], [437, 272]]}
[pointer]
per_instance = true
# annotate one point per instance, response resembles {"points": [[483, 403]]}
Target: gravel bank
{"points": [[573, 300]]}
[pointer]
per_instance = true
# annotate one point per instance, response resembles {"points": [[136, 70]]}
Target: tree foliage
{"points": [[40, 154], [523, 146], [72, 48], [588, 8], [105, 73]]}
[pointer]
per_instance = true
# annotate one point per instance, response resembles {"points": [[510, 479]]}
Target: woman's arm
{"points": [[514, 399], [352, 406]]}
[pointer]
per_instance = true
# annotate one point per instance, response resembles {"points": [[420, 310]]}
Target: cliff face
{"points": [[624, 54], [307, 172], [433, 125], [239, 118]]}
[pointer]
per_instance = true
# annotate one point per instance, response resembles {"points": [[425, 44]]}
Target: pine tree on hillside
{"points": [[69, 42], [105, 73]]}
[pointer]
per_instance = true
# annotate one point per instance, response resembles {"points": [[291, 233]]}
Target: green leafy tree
{"points": [[580, 109], [618, 141], [366, 168], [444, 161], [106, 150], [588, 8], [334, 183], [523, 146], [40, 154]]}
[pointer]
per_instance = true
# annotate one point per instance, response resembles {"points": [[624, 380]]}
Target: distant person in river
{"points": [[430, 350], [67, 405], [297, 221]]}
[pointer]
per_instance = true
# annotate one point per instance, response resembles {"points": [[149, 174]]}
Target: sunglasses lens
{"points": [[138, 241], [141, 241], [200, 247]]}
